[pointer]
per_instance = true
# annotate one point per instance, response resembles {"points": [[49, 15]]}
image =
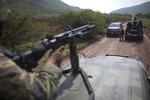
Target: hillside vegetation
{"points": [[145, 18], [133, 10], [22, 31], [40, 6]]}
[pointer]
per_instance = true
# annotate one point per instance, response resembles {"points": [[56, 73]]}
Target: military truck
{"points": [[134, 29]]}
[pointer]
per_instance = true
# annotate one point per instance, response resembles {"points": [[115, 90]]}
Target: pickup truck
{"points": [[134, 29]]}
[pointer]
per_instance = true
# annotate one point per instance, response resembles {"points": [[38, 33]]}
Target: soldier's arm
{"points": [[48, 78], [17, 83]]}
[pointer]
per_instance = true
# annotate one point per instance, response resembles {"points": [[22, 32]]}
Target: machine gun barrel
{"points": [[29, 59]]}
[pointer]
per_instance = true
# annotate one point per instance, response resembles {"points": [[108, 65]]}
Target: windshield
{"points": [[114, 25]]}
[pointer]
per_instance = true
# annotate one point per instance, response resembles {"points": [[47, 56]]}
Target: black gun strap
{"points": [[19, 62]]}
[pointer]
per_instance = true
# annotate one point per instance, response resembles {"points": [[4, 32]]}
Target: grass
{"points": [[146, 22]]}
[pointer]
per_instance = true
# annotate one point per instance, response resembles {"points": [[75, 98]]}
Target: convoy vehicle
{"points": [[134, 29], [110, 77], [114, 29]]}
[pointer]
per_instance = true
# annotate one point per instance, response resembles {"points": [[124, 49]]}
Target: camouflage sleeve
{"points": [[17, 84], [49, 78]]}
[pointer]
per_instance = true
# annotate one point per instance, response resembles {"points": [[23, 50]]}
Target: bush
{"points": [[77, 19], [145, 18], [20, 29], [146, 22], [117, 18]]}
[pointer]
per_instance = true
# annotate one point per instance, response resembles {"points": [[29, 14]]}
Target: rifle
{"points": [[29, 59]]}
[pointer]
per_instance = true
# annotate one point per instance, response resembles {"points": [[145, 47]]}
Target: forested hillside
{"points": [[40, 6], [142, 8]]}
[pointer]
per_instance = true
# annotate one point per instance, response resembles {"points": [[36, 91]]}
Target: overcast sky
{"points": [[104, 6]]}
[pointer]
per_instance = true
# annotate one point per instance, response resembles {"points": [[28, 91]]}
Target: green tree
{"points": [[15, 29], [21, 29], [77, 19]]}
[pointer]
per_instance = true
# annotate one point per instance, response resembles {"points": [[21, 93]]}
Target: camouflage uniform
{"points": [[17, 84], [121, 34]]}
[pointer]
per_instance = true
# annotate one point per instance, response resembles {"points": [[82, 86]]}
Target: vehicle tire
{"points": [[141, 37], [126, 38]]}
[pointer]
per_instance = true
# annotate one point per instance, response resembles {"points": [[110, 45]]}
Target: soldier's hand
{"points": [[55, 56]]}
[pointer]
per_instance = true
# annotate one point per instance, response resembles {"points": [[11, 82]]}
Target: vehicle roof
{"points": [[116, 78]]}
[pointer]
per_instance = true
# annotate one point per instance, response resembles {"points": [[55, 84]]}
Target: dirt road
{"points": [[133, 49]]}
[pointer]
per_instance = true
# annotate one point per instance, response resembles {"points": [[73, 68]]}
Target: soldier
{"points": [[134, 18], [140, 26], [18, 84], [121, 34]]}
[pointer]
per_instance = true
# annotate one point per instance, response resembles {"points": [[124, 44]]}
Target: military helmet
{"points": [[4, 10], [134, 18]]}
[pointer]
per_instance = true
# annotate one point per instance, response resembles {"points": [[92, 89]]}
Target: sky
{"points": [[104, 6]]}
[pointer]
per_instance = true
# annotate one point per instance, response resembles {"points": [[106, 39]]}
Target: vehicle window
{"points": [[114, 25]]}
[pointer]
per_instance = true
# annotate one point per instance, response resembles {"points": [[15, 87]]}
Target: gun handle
{"points": [[74, 58]]}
